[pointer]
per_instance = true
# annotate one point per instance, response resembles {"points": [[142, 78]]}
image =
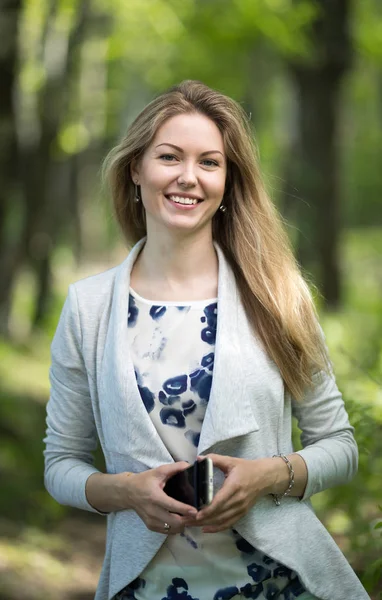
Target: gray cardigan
{"points": [[94, 395]]}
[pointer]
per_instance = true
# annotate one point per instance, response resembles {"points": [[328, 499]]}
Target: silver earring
{"points": [[223, 208], [138, 196]]}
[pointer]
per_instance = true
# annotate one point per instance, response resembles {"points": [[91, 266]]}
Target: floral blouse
{"points": [[172, 346]]}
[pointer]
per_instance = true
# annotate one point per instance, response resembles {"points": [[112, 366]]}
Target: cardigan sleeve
{"points": [[329, 447], [71, 433]]}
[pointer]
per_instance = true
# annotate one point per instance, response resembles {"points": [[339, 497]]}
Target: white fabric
{"points": [[94, 396], [172, 348], [172, 364]]}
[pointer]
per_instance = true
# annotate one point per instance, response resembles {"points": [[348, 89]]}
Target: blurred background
{"points": [[73, 74]]}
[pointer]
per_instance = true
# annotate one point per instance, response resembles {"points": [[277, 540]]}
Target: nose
{"points": [[187, 177]]}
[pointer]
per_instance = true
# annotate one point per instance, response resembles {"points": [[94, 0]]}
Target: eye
{"points": [[211, 163], [167, 157]]}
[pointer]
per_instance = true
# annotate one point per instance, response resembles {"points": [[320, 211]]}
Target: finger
{"points": [[226, 525], [233, 514], [175, 523], [175, 506], [156, 517], [224, 463], [167, 471], [215, 520], [221, 500], [218, 516]]}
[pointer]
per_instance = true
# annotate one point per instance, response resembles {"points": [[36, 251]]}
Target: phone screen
{"points": [[192, 486], [182, 486]]}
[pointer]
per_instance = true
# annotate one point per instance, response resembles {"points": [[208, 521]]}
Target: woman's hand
{"points": [[245, 482], [155, 508]]}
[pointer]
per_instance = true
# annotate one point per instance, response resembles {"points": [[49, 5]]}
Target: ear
{"points": [[134, 171]]}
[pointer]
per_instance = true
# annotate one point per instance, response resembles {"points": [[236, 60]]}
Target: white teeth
{"points": [[180, 200]]}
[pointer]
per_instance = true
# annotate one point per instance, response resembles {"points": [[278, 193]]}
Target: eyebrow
{"points": [[180, 149]]}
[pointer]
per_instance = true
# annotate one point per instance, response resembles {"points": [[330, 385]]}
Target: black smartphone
{"points": [[194, 485]]}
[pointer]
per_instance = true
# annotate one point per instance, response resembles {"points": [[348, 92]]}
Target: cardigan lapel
{"points": [[128, 428], [229, 412], [127, 425]]}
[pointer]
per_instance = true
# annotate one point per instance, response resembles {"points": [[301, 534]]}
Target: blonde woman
{"points": [[204, 341]]}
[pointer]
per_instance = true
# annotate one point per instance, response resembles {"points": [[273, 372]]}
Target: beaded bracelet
{"points": [[277, 497]]}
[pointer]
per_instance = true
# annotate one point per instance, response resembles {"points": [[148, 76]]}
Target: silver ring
{"points": [[166, 527]]}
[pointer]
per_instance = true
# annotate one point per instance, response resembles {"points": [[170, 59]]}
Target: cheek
{"points": [[219, 186], [157, 180]]}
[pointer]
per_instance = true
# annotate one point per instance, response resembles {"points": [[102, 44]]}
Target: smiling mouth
{"points": [[184, 200]]}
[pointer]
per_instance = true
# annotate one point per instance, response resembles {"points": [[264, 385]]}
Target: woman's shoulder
{"points": [[95, 291], [98, 281]]}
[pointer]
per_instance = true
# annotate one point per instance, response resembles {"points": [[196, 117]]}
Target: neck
{"points": [[178, 264]]}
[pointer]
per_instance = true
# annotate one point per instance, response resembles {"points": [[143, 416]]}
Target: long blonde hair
{"points": [[277, 300]]}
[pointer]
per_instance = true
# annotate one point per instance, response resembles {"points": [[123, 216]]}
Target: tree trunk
{"points": [[46, 181], [319, 214], [317, 84], [9, 19]]}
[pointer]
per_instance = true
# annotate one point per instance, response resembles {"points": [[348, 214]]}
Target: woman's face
{"points": [[182, 174]]}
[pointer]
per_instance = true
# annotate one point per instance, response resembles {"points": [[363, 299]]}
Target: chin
{"points": [[187, 225]]}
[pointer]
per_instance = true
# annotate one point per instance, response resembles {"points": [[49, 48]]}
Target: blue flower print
{"points": [[156, 312], [211, 312], [251, 591], [147, 397], [258, 573], [193, 437], [282, 571], [208, 334], [188, 407], [139, 582], [175, 385], [293, 590], [208, 361], [271, 591], [133, 312], [173, 417], [201, 382], [189, 540], [226, 593], [178, 590], [127, 593], [167, 400], [244, 546]]}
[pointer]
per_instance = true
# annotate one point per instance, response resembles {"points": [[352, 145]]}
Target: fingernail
{"points": [[192, 513]]}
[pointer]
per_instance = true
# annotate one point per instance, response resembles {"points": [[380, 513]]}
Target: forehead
{"points": [[193, 129]]}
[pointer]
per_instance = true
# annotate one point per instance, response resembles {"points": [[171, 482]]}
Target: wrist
{"points": [[275, 478], [282, 476], [122, 489], [278, 497], [108, 492], [278, 476]]}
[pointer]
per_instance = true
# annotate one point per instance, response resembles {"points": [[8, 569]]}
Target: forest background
{"points": [[73, 74]]}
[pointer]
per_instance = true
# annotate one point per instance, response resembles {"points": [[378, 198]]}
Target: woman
{"points": [[203, 341]]}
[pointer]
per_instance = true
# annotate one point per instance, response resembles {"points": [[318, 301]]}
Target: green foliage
{"points": [[355, 340], [368, 29], [209, 40]]}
